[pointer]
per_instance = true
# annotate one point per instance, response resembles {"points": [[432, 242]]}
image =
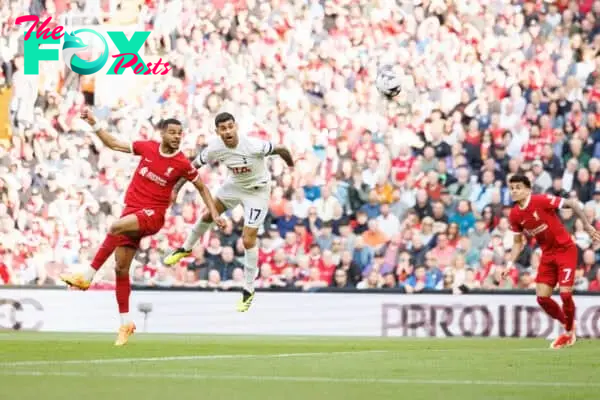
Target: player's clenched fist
{"points": [[88, 117]]}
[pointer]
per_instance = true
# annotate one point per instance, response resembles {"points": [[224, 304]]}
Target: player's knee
{"points": [[249, 241], [542, 300], [567, 290], [121, 268], [566, 296], [114, 229], [544, 289]]}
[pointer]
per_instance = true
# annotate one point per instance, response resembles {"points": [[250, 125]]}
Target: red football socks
{"points": [[106, 249], [123, 290], [552, 308], [568, 309]]}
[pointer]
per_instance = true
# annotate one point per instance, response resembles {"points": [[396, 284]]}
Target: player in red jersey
{"points": [[535, 215], [148, 196]]}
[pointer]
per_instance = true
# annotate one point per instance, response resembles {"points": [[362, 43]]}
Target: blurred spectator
{"points": [[163, 278], [214, 280], [419, 281], [496, 280], [464, 218], [325, 238], [581, 282], [340, 280], [326, 204], [267, 279], [387, 222], [199, 266], [226, 264], [288, 221], [443, 251], [374, 237], [312, 281], [153, 265], [372, 281], [300, 204], [236, 282]]}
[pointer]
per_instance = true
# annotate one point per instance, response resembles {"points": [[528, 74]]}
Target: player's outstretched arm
{"points": [[210, 203], [579, 213], [107, 139], [285, 154]]}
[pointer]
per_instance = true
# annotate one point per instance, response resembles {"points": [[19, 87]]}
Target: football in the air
{"points": [[388, 81]]}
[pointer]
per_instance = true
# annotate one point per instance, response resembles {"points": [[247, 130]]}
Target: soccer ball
{"points": [[388, 82]]}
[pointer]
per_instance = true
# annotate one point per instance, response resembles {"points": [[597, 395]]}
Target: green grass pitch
{"points": [[168, 367]]}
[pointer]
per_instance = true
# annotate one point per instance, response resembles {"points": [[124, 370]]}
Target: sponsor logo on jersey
{"points": [[240, 170], [146, 173], [536, 231]]}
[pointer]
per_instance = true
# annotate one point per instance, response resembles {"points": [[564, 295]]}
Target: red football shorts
{"points": [[150, 221], [558, 266]]}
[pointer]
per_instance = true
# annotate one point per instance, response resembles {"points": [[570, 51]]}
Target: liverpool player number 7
{"points": [[148, 196], [535, 216]]}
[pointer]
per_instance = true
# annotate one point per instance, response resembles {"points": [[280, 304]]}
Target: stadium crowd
{"points": [[409, 193]]}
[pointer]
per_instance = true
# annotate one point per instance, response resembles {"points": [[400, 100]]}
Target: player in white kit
{"points": [[248, 183]]}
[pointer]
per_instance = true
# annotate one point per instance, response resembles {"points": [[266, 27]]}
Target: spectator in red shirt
{"points": [[268, 279], [303, 237], [279, 262], [154, 263], [595, 284], [327, 267], [402, 164], [6, 275]]}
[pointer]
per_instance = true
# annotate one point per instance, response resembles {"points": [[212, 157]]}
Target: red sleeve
{"points": [[139, 147], [548, 201], [189, 172], [514, 222]]}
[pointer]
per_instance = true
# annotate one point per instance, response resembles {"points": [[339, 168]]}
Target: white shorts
{"points": [[254, 201]]}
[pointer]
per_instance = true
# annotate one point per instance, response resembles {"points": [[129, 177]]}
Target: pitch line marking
{"points": [[185, 358], [301, 379], [226, 357]]}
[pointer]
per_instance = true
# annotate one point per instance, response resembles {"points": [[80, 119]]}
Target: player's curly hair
{"points": [[520, 178], [162, 124]]}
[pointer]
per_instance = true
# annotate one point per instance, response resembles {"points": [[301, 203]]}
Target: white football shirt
{"points": [[246, 163]]}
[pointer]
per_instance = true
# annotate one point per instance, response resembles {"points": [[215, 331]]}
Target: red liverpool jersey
{"points": [[539, 219], [156, 175]]}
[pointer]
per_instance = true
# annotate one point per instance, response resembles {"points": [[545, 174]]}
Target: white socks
{"points": [[89, 273], [197, 231], [251, 268], [125, 319]]}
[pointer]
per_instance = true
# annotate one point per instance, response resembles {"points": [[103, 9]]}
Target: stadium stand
{"points": [[408, 194]]}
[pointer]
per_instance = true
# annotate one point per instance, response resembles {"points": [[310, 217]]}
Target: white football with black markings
{"points": [[388, 82]]}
